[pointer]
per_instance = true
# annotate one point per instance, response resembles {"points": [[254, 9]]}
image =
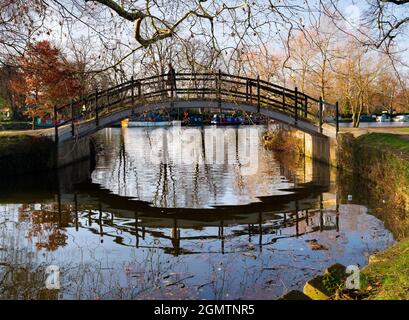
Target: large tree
{"points": [[45, 79]]}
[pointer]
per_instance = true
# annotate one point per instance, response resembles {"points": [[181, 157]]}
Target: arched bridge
{"points": [[193, 90]]}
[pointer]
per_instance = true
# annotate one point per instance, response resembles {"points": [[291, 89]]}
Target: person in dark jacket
{"points": [[171, 79]]}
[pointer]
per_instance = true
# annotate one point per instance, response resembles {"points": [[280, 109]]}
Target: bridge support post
{"points": [[72, 150], [318, 147]]}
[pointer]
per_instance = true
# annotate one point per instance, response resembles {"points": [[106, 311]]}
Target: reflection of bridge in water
{"points": [[252, 220], [305, 209]]}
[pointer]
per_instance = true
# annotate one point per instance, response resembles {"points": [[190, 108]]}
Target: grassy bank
{"points": [[22, 153], [383, 159], [387, 278]]}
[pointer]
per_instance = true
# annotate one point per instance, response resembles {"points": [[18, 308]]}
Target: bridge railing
{"points": [[190, 86]]}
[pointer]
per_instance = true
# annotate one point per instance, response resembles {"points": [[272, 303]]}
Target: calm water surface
{"points": [[131, 229]]}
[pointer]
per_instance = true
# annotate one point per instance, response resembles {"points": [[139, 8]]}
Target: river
{"points": [[155, 218]]}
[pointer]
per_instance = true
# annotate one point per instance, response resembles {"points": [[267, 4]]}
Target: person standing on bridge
{"points": [[171, 79]]}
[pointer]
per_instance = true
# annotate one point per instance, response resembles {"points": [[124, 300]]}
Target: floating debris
{"points": [[250, 255], [314, 245]]}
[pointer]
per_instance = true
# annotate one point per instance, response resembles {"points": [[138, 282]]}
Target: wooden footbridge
{"points": [[220, 90]]}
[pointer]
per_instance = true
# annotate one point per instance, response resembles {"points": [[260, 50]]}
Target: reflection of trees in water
{"points": [[149, 272], [23, 280], [271, 226], [22, 276], [180, 185], [23, 266], [46, 225], [373, 196]]}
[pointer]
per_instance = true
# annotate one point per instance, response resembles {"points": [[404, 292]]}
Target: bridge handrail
{"points": [[222, 85]]}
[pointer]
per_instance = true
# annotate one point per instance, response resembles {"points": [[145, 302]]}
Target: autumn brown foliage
{"points": [[46, 78]]}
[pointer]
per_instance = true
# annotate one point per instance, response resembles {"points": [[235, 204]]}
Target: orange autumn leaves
{"points": [[45, 78]]}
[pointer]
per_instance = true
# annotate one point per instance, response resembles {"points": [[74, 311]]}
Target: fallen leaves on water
{"points": [[314, 245], [250, 255]]}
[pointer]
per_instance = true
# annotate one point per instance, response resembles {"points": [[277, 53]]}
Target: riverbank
{"points": [[33, 151], [15, 125], [376, 164], [386, 277], [383, 159], [20, 154], [379, 158]]}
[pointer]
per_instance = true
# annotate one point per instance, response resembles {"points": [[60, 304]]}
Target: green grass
{"points": [[386, 140], [378, 156], [388, 278]]}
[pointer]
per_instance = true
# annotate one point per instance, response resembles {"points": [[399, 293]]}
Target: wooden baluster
{"points": [[321, 213], [220, 88], [337, 116], [72, 118], [216, 83], [171, 86], [305, 107], [283, 99], [96, 108], [320, 113], [251, 91], [247, 90], [204, 84], [297, 225], [56, 124], [107, 99], [258, 94], [132, 91], [139, 89], [296, 105]]}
